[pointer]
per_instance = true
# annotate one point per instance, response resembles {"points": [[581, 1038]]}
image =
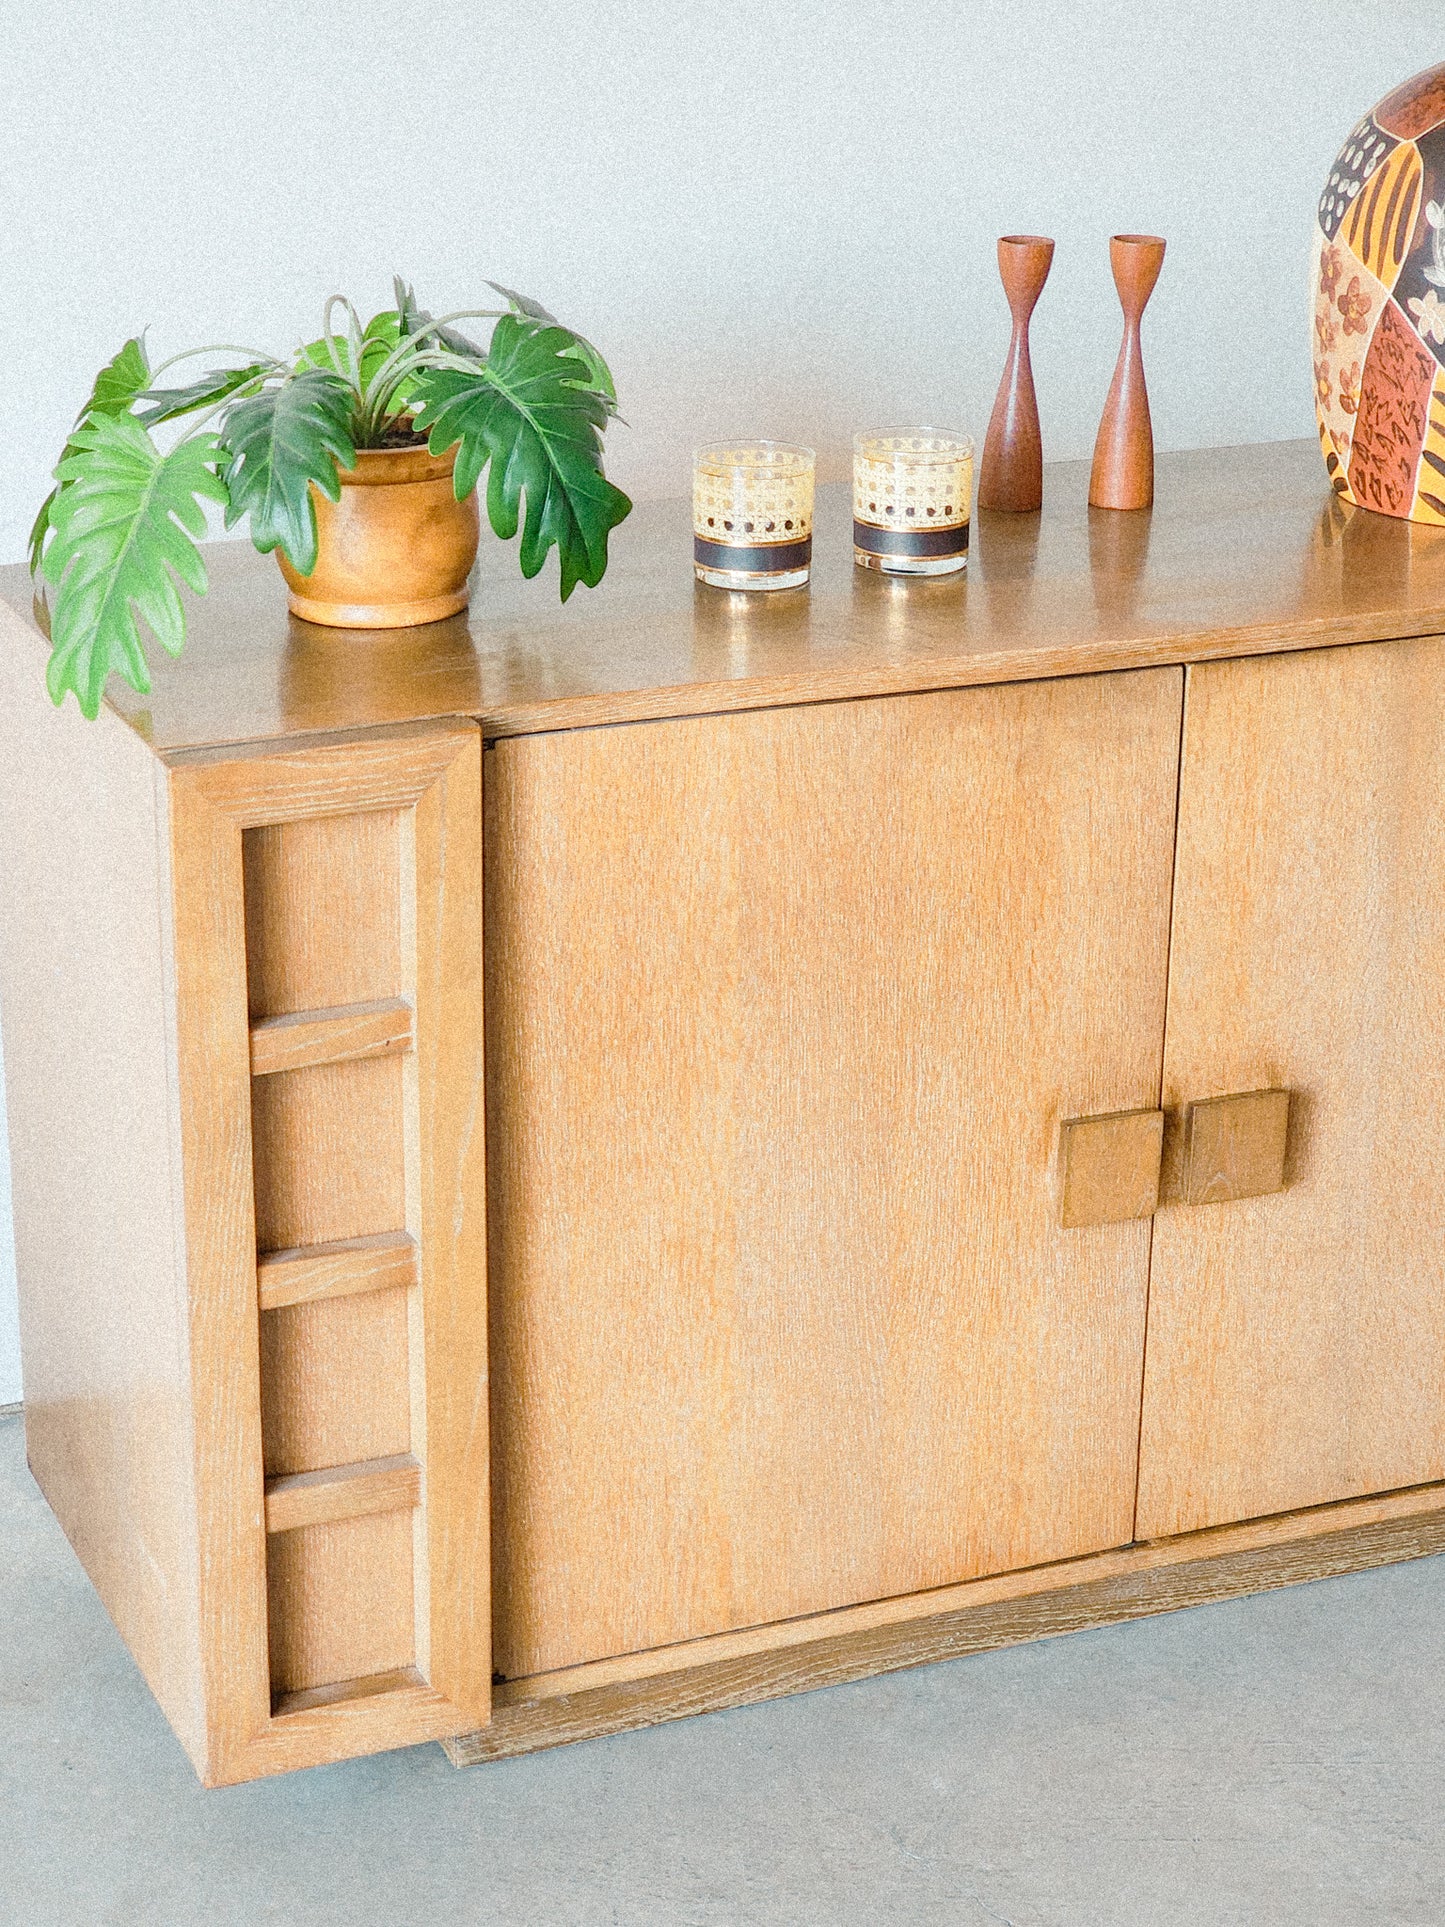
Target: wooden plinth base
{"points": [[1133, 1582]]}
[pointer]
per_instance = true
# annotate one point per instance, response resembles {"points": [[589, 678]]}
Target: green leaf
{"points": [[125, 523], [414, 318], [598, 374], [524, 304], [119, 382], [526, 415], [322, 353], [113, 391], [381, 335], [279, 443], [167, 404]]}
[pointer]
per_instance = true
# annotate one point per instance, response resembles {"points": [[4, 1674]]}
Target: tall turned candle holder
{"points": [[1123, 473], [1012, 472]]}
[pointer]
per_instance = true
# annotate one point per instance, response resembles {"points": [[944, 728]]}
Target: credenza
{"points": [[579, 1165]]}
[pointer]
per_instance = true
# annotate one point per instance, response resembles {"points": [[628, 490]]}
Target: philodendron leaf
{"points": [[167, 404], [525, 415], [413, 319], [598, 374], [125, 522], [114, 389], [379, 337], [279, 443], [524, 304]]}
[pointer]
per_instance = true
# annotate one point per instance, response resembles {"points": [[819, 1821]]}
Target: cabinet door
{"points": [[1297, 1341], [786, 1009], [329, 1028]]}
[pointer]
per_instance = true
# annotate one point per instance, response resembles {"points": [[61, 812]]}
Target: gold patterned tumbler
{"points": [[912, 494], [752, 515]]}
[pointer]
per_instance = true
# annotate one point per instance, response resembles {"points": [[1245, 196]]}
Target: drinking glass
{"points": [[912, 496], [752, 515]]}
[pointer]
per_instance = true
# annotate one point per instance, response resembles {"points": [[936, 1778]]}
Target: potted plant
{"points": [[357, 460]]}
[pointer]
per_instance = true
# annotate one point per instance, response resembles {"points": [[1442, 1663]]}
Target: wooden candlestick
{"points": [[1123, 476], [1012, 473]]}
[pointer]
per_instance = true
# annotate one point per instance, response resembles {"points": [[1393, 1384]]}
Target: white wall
{"points": [[9, 1318], [776, 216]]}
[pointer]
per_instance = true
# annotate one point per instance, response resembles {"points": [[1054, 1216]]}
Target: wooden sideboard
{"points": [[958, 1154]]}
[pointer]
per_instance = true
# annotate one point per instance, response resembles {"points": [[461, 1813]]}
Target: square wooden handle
{"points": [[1109, 1167], [1234, 1147]]}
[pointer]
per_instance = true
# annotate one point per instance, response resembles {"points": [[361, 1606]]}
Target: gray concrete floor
{"points": [[1272, 1762]]}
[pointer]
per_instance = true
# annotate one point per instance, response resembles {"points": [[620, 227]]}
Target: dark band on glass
{"points": [[911, 542], [766, 558]]}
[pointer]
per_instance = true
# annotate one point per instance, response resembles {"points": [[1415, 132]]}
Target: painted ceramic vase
{"points": [[1379, 307]]}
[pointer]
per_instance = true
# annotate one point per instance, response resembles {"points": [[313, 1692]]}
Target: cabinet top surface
{"points": [[1245, 551]]}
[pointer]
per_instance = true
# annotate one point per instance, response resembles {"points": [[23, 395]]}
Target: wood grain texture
{"points": [[334, 1382], [308, 1037], [831, 1649], [308, 882], [1279, 1535], [401, 1680], [1297, 1341], [345, 1721], [1122, 476], [1011, 475], [94, 1159], [1109, 1167], [342, 1492], [1247, 551], [351, 773], [783, 1315], [341, 1601], [330, 1152], [317, 1628], [1235, 1146], [455, 1545], [213, 1080], [309, 1272]]}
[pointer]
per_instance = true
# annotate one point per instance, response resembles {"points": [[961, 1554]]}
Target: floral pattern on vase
{"points": [[1378, 290]]}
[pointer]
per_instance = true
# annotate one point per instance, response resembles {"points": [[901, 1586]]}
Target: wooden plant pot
{"points": [[395, 550]]}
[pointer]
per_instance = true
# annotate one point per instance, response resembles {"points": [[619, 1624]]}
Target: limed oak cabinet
{"points": [[583, 1165]]}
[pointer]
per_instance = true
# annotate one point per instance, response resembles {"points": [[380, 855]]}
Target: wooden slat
{"points": [[403, 1680], [307, 1037], [827, 1649], [342, 1492], [308, 1272]]}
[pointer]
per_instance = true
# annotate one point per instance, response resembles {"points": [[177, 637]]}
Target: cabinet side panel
{"points": [[1297, 1341], [86, 1011], [785, 1012], [343, 1430]]}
